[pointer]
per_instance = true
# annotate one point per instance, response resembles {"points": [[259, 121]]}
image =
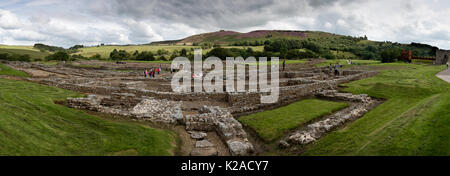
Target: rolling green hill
{"points": [[341, 46], [21, 50]]}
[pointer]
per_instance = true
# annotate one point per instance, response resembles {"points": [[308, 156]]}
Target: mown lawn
{"points": [[271, 125], [415, 119], [32, 124]]}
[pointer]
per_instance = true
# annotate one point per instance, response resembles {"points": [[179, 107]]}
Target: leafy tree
{"points": [[76, 47], [162, 52], [293, 54], [118, 55], [145, 56], [390, 55], [183, 52], [327, 54], [15, 57], [221, 53], [4, 56], [43, 47]]}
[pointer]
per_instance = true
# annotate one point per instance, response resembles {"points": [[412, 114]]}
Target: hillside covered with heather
{"points": [[293, 44]]}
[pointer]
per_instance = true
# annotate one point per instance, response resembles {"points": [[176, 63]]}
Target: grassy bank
{"points": [[31, 124], [5, 70], [415, 119], [271, 125]]}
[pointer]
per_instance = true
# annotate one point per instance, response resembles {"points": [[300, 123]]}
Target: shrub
{"points": [[60, 56], [390, 55], [118, 55], [15, 57], [96, 57], [43, 47], [221, 53]]}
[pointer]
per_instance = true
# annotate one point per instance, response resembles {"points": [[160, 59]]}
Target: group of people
{"points": [[335, 67], [152, 72]]}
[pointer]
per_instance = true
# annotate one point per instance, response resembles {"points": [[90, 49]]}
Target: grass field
{"points": [[415, 119], [271, 125], [31, 124], [104, 51], [34, 54], [344, 62]]}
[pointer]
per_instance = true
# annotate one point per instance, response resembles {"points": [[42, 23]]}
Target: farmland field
{"points": [[34, 53], [104, 51]]}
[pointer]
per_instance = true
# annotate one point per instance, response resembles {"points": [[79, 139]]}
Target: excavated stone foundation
{"points": [[127, 93]]}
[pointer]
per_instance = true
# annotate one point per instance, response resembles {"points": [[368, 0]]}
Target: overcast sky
{"points": [[91, 22]]}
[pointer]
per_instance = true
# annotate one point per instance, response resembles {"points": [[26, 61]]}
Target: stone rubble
{"points": [[149, 109], [227, 127], [158, 110], [203, 144], [197, 135]]}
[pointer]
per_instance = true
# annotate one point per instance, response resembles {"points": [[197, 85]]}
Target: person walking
{"points": [[336, 69], [284, 63], [145, 73], [447, 65]]}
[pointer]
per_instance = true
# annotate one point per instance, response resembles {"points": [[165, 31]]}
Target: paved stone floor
{"points": [[444, 75]]}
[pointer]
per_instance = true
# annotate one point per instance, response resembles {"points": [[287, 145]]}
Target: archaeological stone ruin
{"points": [[121, 89]]}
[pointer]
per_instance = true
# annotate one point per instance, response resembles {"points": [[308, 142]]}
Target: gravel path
{"points": [[444, 75]]}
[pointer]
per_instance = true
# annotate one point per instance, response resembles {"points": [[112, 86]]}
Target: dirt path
{"points": [[444, 75]]}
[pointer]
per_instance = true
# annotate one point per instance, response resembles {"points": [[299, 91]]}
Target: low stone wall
{"points": [[169, 112], [148, 109], [104, 90], [228, 128], [231, 131], [361, 104], [246, 102]]}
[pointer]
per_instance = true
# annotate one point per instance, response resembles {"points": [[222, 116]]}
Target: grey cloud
{"points": [[140, 21], [227, 14]]}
